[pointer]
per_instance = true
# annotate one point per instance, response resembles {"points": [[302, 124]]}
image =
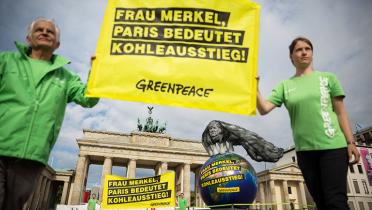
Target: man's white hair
{"points": [[32, 25]]}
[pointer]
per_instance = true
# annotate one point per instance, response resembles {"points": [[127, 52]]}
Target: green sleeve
{"points": [[76, 92], [2, 65], [335, 86], [277, 95]]}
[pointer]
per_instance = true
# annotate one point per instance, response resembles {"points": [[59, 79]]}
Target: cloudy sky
{"points": [[340, 30]]}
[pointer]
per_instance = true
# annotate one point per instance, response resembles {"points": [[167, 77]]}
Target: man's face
{"points": [[43, 36]]}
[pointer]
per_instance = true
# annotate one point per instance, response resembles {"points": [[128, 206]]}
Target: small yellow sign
{"points": [[149, 192], [228, 189]]}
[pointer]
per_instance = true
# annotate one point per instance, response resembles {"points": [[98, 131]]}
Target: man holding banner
{"points": [[92, 202], [182, 202], [35, 88]]}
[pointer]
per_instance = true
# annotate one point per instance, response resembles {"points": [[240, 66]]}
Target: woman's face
{"points": [[214, 130], [302, 55]]}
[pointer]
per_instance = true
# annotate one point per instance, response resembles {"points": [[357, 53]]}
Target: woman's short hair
{"points": [[294, 42]]}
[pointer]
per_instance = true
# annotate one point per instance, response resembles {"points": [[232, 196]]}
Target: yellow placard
{"points": [[149, 192], [228, 189], [195, 53]]}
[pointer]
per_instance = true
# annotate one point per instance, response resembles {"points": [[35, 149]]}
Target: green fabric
{"points": [[182, 203], [38, 68], [31, 112], [92, 204], [308, 101]]}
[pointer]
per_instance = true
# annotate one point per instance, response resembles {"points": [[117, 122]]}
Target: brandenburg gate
{"points": [[138, 150]]}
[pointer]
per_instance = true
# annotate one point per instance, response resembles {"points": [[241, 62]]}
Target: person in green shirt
{"points": [[92, 202], [321, 131], [182, 202], [35, 87]]}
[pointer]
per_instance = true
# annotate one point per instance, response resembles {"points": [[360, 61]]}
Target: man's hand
{"points": [[92, 58]]}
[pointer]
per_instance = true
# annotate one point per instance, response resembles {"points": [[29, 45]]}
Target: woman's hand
{"points": [[263, 106], [353, 151]]}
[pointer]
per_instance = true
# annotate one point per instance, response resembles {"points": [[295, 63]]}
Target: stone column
{"points": [[44, 194], [86, 172], [161, 168], [286, 195], [77, 191], [302, 194], [131, 168], [198, 200], [64, 193], [164, 167], [272, 193], [44, 203], [158, 169], [261, 189], [179, 179], [106, 170], [196, 189], [36, 194], [186, 182]]}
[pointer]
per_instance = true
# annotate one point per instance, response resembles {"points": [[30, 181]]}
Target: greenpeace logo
{"points": [[324, 102]]}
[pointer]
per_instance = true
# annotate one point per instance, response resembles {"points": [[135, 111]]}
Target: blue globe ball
{"points": [[227, 179]]}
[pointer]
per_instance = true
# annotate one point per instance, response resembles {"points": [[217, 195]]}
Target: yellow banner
{"points": [[195, 53], [149, 192]]}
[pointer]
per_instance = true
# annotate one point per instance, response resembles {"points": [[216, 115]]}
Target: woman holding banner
{"points": [[322, 135]]}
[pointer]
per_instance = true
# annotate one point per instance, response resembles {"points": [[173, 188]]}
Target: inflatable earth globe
{"points": [[227, 179]]}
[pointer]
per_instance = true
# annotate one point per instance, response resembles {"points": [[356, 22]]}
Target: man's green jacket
{"points": [[31, 112]]}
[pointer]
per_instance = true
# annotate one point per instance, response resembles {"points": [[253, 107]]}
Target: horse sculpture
{"points": [[220, 137]]}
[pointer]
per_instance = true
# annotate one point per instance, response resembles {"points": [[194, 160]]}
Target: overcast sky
{"points": [[340, 30]]}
